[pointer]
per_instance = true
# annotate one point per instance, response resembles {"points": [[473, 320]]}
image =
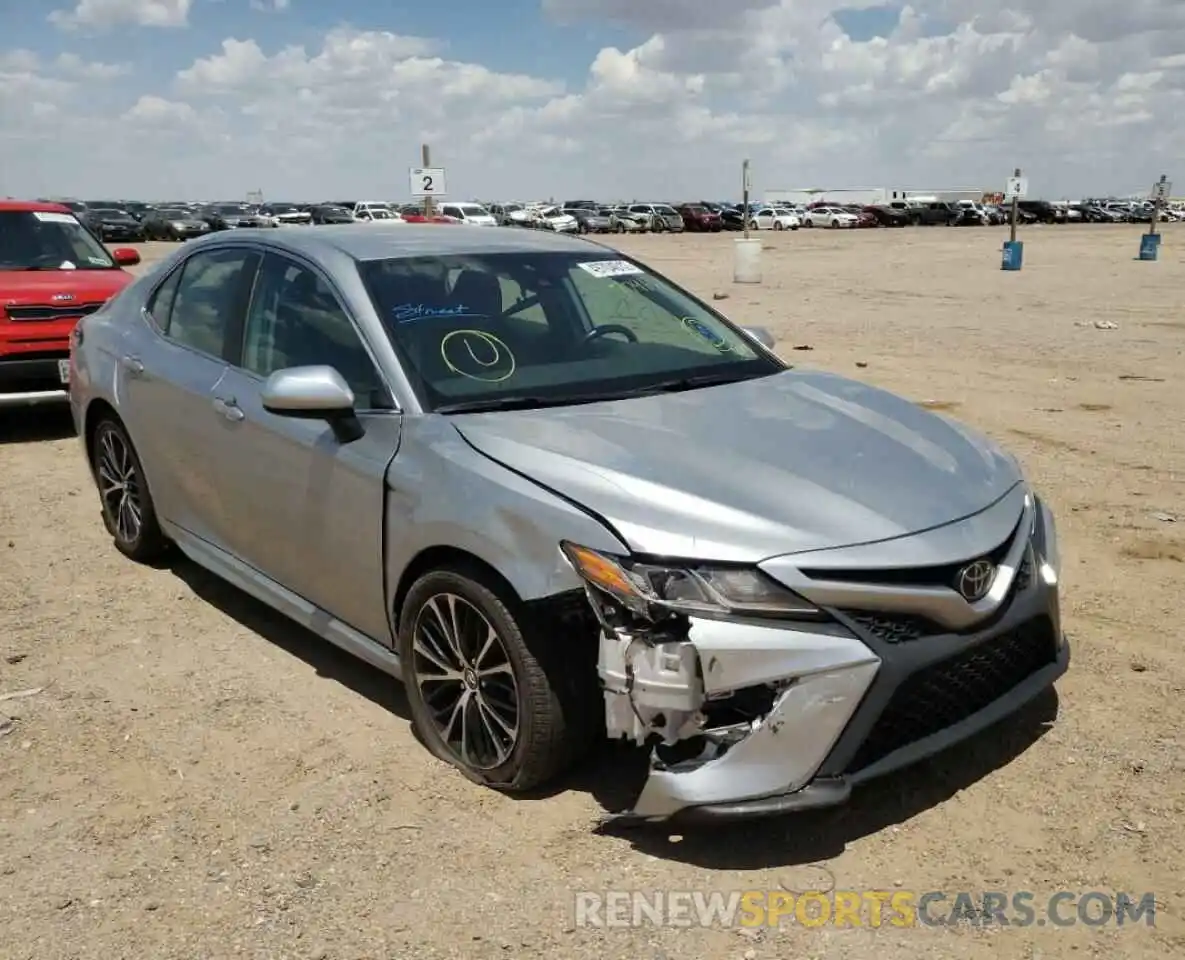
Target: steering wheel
{"points": [[607, 328]]}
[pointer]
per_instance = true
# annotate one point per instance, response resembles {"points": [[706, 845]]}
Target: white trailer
{"points": [[838, 195]]}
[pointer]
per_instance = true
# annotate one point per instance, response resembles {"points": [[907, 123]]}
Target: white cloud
{"points": [[153, 111], [270, 6], [958, 93], [109, 13]]}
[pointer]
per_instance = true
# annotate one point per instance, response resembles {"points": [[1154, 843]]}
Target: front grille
{"points": [[945, 693], [904, 627], [34, 314], [940, 576]]}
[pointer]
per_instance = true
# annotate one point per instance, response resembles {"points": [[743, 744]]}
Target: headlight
{"points": [[691, 589], [1048, 555]]}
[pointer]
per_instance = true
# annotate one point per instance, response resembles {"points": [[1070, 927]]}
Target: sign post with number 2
{"points": [[427, 182]]}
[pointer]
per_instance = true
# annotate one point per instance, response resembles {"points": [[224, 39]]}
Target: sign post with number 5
{"points": [[427, 182]]}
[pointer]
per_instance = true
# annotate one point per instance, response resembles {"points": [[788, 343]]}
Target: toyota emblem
{"points": [[975, 580]]}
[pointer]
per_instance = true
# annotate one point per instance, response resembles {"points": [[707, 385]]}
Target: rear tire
{"points": [[472, 656], [778, 225], [128, 511]]}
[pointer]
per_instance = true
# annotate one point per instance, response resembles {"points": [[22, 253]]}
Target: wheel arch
{"points": [[441, 557], [97, 411]]}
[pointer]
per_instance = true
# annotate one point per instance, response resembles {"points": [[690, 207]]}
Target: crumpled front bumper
{"points": [[852, 699]]}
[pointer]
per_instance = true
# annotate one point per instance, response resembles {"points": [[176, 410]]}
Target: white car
{"points": [[774, 218], [832, 217], [368, 211], [473, 214], [553, 218]]}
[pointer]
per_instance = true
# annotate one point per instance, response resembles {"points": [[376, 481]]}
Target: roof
{"points": [[381, 241], [24, 206]]}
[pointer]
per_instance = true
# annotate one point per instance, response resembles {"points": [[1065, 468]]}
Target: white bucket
{"points": [[747, 261]]}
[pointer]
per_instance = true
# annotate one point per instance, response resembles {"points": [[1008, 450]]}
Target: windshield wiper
{"points": [[679, 384], [521, 403]]}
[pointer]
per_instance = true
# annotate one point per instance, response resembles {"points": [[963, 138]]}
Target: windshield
{"points": [[377, 214], [666, 211], [474, 210], [43, 240], [549, 327]]}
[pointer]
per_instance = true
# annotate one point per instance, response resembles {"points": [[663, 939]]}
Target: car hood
{"points": [[37, 287], [741, 472]]}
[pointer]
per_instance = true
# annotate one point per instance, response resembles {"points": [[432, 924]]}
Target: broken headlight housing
{"points": [[695, 589]]}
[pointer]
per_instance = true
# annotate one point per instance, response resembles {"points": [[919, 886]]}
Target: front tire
{"points": [[486, 693], [128, 511]]}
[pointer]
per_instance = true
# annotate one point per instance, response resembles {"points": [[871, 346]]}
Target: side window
{"points": [[450, 211], [295, 320], [160, 304], [209, 299]]}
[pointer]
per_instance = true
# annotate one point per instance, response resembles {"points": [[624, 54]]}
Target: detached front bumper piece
{"points": [[751, 719]]}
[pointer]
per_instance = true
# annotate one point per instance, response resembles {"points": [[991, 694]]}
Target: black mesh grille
{"points": [[947, 692], [1024, 573], [42, 313], [893, 628]]}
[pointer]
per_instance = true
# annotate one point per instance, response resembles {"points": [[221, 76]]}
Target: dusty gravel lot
{"points": [[200, 779]]}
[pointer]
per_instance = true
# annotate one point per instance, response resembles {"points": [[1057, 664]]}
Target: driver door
{"points": [[308, 511]]}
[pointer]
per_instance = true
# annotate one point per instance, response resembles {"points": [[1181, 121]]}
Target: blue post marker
{"points": [[1014, 255], [1150, 242]]}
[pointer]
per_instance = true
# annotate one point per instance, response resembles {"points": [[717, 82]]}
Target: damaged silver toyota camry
{"points": [[561, 498]]}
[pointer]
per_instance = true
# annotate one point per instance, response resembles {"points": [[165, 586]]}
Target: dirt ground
{"points": [[197, 778]]}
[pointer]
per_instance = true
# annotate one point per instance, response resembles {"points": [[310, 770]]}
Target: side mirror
{"points": [[313, 393], [762, 336], [125, 256]]}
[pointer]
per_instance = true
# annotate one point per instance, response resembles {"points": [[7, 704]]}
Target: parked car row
{"points": [[134, 221]]}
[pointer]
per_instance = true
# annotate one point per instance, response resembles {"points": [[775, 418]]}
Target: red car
{"points": [[53, 271], [699, 219], [414, 213]]}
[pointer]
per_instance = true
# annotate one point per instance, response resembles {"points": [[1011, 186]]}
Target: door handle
{"points": [[229, 409], [133, 365]]}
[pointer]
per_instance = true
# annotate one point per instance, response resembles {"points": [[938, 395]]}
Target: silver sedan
{"points": [[561, 498]]}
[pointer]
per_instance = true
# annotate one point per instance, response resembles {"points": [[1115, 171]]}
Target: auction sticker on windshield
{"points": [[610, 268], [49, 216]]}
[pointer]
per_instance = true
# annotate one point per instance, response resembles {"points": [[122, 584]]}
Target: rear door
{"points": [[302, 508], [168, 374]]}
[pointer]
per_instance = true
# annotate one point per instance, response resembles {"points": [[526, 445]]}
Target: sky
{"points": [[586, 99]]}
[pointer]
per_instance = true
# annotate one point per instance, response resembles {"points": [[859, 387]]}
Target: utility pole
{"points": [[1015, 208], [745, 185], [1159, 195], [426, 162]]}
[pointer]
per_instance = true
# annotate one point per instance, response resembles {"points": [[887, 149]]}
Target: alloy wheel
{"points": [[465, 678], [119, 486]]}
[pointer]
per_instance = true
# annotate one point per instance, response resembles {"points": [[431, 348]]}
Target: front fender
{"points": [[441, 492]]}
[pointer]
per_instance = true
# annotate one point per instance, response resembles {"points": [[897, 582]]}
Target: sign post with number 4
{"points": [[427, 182]]}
